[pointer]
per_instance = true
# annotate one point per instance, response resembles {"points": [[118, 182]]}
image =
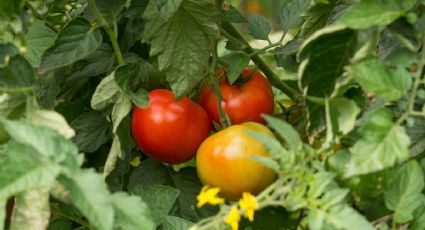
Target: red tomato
{"points": [[169, 130], [244, 101]]}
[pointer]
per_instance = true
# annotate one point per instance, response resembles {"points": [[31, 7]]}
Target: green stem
{"points": [[40, 17], [17, 90], [417, 81], [112, 35], [271, 76]]}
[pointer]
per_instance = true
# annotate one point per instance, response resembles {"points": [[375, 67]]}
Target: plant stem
{"points": [[271, 76], [112, 35], [39, 16]]}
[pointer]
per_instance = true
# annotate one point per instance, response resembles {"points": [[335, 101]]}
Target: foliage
{"points": [[72, 70]]}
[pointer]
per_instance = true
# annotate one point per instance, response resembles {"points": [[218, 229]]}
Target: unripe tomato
{"points": [[168, 130], [224, 160], [244, 101], [293, 115]]}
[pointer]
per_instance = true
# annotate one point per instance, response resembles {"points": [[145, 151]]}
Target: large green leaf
{"points": [[374, 12], [176, 223], [259, 27], [386, 83], [46, 142], [290, 13], [106, 93], [131, 212], [383, 143], [77, 40], [167, 8], [91, 196], [183, 42], [32, 210], [18, 73], [92, 131], [51, 119], [404, 191], [323, 57], [39, 38], [22, 169], [160, 199], [345, 217]]}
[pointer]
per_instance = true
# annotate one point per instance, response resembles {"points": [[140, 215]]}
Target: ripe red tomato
{"points": [[224, 160], [244, 101], [169, 130]]}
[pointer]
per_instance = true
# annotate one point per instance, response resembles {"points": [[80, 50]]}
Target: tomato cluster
{"points": [[174, 131]]}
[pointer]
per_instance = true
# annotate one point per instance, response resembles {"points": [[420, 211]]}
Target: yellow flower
{"points": [[233, 218], [209, 196], [249, 204]]}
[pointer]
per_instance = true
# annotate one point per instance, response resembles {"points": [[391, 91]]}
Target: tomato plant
{"points": [[90, 138], [226, 160], [243, 101], [169, 130]]}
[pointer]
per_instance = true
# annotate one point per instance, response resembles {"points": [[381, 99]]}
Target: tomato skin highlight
{"points": [[244, 102], [167, 130], [224, 160]]}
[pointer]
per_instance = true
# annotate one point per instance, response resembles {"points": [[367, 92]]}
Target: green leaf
{"points": [[381, 80], [110, 9], [91, 196], [232, 15], [51, 119], [383, 143], [17, 74], [22, 169], [122, 108], [316, 17], [404, 191], [7, 51], [10, 7], [167, 8], [96, 63], [183, 42], [176, 223], [39, 38], [259, 27], [347, 112], [285, 131], [131, 212], [117, 164], [371, 12], [106, 93], [270, 143], [60, 224], [236, 63], [267, 161], [289, 15], [122, 77], [419, 215], [45, 141], [74, 42], [323, 57], [92, 131], [345, 217], [8, 103], [31, 209], [320, 182], [159, 198]]}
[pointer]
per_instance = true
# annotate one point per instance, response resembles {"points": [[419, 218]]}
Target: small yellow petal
{"points": [[209, 196], [233, 218], [249, 204], [135, 162]]}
